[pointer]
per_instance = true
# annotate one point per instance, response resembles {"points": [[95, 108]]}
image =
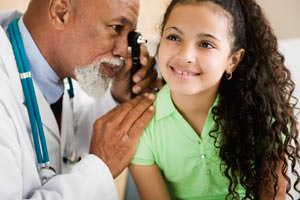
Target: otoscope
{"points": [[135, 39]]}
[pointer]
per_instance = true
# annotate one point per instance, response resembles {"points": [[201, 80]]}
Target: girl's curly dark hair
{"points": [[256, 124]]}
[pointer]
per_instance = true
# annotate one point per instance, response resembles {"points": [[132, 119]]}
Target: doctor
{"points": [[85, 40]]}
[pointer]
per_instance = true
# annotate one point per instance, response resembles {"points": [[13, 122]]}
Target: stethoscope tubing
{"points": [[29, 94], [38, 134]]}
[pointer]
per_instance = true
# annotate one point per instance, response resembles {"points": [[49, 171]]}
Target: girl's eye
{"points": [[173, 38], [206, 45]]}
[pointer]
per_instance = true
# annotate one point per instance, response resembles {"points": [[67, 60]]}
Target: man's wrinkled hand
{"points": [[116, 134]]}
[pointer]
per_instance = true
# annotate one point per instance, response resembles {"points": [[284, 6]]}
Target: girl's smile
{"points": [[184, 74]]}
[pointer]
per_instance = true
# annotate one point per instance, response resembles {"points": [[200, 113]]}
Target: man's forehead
{"points": [[132, 4], [126, 11], [121, 11]]}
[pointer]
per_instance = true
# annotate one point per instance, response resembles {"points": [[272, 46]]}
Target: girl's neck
{"points": [[194, 108]]}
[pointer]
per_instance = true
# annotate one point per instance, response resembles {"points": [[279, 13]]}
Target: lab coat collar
{"points": [[48, 118], [7, 16], [44, 76]]}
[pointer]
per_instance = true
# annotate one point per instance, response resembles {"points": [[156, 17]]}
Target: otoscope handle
{"points": [[135, 40]]}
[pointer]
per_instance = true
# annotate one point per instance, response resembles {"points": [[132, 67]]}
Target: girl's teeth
{"points": [[183, 73]]}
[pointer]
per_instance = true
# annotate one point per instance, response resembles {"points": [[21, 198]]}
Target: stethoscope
{"points": [[45, 170]]}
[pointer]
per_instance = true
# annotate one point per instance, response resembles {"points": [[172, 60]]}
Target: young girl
{"points": [[224, 126]]}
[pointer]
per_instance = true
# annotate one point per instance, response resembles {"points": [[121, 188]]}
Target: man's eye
{"points": [[118, 28], [173, 38], [206, 45]]}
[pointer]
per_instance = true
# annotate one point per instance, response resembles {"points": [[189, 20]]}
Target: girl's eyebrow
{"points": [[208, 35], [198, 35], [174, 28]]}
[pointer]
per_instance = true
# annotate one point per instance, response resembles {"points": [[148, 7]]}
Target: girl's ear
{"points": [[59, 13], [235, 58]]}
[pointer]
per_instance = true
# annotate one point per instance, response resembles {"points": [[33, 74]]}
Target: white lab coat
{"points": [[89, 179]]}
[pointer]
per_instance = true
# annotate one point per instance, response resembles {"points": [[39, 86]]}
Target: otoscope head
{"points": [[135, 38]]}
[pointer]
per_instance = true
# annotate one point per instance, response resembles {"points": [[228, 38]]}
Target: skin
{"points": [[201, 48], [72, 33], [56, 24], [194, 53], [122, 127]]}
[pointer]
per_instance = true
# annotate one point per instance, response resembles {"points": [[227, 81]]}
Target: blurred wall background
{"points": [[13, 4], [284, 15]]}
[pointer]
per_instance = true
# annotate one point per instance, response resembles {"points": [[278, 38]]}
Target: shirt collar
{"points": [[165, 105], [43, 75]]}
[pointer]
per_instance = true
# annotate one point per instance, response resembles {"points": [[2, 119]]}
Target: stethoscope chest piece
{"points": [[46, 173]]}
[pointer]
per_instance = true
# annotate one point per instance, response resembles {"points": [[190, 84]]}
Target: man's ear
{"points": [[59, 13], [235, 58]]}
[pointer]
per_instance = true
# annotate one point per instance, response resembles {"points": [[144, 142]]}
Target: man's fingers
{"points": [[114, 119], [134, 114], [135, 101], [146, 69], [137, 129], [125, 106], [117, 114], [145, 85], [144, 51], [157, 85]]}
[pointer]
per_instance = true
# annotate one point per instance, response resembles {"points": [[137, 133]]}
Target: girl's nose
{"points": [[187, 53]]}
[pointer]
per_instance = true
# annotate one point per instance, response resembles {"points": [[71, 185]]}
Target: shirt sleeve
{"points": [[144, 154]]}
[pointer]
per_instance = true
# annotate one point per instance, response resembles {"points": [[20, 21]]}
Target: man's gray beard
{"points": [[92, 81]]}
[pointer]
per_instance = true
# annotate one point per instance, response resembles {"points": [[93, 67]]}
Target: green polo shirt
{"points": [[189, 163]]}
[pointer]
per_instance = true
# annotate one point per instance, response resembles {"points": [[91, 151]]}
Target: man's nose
{"points": [[121, 47]]}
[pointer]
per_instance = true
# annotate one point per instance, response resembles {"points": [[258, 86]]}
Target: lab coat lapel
{"points": [[48, 118]]}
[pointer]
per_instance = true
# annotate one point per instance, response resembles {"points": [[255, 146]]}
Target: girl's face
{"points": [[195, 48]]}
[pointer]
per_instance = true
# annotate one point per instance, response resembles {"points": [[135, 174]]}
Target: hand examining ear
{"points": [[126, 85], [116, 134]]}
